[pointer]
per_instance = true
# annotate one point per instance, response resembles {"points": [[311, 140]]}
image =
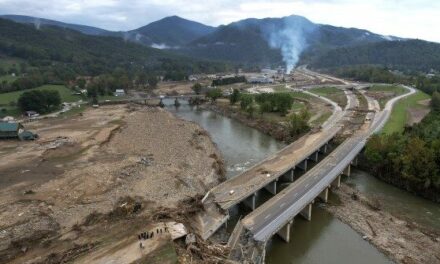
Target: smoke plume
{"points": [[291, 38], [37, 23]]}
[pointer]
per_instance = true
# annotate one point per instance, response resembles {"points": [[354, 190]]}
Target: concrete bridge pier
{"points": [[307, 212], [355, 161], [324, 195], [250, 201], [323, 149], [337, 182], [303, 165], [284, 232], [272, 187], [289, 176], [347, 171], [315, 156]]}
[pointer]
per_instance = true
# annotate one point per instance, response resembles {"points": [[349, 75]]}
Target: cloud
{"points": [[405, 18]]}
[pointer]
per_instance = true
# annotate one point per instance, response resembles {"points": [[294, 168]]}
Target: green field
{"points": [[65, 93], [399, 115], [332, 93], [8, 78], [7, 98], [392, 90]]}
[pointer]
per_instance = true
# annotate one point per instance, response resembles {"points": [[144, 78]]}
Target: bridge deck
{"points": [[270, 169], [254, 179], [270, 217], [267, 219]]}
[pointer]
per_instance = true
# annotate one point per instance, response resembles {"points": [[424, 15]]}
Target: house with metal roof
{"points": [[10, 130]]}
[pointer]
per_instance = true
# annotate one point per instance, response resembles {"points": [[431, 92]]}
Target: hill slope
{"points": [[41, 22], [76, 53], [170, 32], [415, 55], [274, 40]]}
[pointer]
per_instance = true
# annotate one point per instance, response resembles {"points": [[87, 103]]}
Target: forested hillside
{"points": [[409, 55], [62, 54]]}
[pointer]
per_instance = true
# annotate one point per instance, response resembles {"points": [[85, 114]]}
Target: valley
{"points": [[168, 133]]}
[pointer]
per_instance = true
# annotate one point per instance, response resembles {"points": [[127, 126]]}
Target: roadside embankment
{"points": [[400, 239]]}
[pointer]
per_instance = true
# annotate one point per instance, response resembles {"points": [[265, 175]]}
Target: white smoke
{"points": [[163, 46], [138, 37], [291, 39], [126, 36], [160, 46], [37, 23]]}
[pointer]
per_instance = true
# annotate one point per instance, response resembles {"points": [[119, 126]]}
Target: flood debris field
{"points": [[402, 240], [91, 183]]}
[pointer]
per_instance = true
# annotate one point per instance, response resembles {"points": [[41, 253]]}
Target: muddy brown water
{"points": [[325, 239]]}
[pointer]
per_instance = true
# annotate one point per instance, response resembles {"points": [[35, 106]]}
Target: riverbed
{"points": [[325, 239]]}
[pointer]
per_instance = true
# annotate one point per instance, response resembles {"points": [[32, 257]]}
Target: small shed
{"points": [[119, 92], [10, 130], [31, 114]]}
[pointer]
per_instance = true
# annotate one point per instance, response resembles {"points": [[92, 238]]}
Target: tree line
{"points": [[409, 160], [296, 123]]}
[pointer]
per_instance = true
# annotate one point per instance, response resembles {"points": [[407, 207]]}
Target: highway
{"points": [[270, 217], [237, 189]]}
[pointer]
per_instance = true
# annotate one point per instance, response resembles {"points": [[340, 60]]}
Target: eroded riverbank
{"points": [[403, 240]]}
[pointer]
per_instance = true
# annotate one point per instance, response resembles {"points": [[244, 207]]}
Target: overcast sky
{"points": [[403, 18]]}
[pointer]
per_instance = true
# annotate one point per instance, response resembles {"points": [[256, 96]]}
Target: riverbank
{"points": [[92, 182], [276, 130], [402, 240]]}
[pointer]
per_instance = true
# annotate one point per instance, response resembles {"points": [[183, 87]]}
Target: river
{"points": [[325, 239]]}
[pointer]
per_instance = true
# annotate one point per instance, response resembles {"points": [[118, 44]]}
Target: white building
{"points": [[119, 92]]}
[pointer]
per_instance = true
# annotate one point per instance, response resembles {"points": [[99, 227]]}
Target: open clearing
{"points": [[6, 99], [332, 93], [383, 93], [406, 111]]}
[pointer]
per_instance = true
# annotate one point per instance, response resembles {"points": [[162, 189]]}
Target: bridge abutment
{"points": [[307, 212], [284, 232]]}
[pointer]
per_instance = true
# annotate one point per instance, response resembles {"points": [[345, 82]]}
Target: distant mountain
{"points": [[275, 40], [41, 22], [417, 55], [286, 41], [73, 53], [170, 32]]}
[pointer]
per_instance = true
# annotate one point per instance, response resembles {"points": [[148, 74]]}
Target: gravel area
{"points": [[401, 240]]}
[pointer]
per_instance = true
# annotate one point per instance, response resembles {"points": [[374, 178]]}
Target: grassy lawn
{"points": [[399, 115], [332, 93], [6, 98], [383, 93], [65, 93], [8, 78]]}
